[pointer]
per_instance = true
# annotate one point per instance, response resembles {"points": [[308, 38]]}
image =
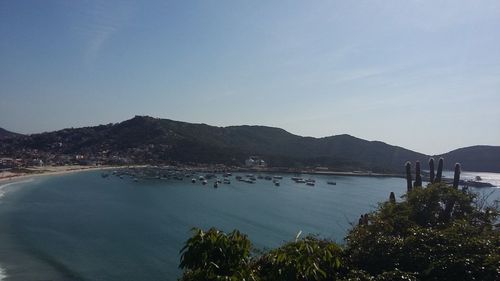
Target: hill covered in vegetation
{"points": [[144, 139], [152, 140], [7, 134], [484, 158]]}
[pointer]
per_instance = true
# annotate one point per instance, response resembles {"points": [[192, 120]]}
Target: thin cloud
{"points": [[100, 21]]}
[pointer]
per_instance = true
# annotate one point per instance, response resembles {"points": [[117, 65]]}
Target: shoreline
{"points": [[10, 177], [50, 171]]}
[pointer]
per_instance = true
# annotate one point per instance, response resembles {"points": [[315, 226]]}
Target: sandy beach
{"points": [[7, 176]]}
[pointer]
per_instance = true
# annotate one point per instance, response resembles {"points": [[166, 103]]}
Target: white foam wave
{"points": [[3, 190], [2, 274]]}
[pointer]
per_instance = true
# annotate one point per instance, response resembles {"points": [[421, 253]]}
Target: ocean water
{"points": [[84, 227], [493, 178]]}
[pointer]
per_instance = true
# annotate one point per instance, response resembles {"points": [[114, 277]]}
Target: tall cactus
{"points": [[431, 170], [392, 198], [439, 173], [418, 177], [408, 176], [365, 219], [456, 176]]}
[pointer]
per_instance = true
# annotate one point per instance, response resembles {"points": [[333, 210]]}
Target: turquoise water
{"points": [[84, 227]]}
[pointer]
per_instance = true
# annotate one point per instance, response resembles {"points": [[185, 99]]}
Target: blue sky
{"points": [[424, 75]]}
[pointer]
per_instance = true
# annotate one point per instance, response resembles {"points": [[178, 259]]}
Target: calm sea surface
{"points": [[84, 227]]}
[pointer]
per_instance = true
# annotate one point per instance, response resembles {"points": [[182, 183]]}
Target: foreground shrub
{"points": [[305, 259], [436, 233], [215, 255]]}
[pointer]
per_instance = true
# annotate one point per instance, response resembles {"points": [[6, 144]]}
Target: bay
{"points": [[85, 227]]}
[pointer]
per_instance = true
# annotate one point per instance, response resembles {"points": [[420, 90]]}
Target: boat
{"points": [[216, 184], [104, 175], [277, 177], [310, 183], [193, 180], [276, 183], [204, 182], [136, 179], [331, 182]]}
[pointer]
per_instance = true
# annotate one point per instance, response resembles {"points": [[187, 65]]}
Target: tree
{"points": [[215, 255]]}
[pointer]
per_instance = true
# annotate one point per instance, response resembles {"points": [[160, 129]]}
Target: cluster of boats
{"points": [[167, 174], [217, 181], [250, 178]]}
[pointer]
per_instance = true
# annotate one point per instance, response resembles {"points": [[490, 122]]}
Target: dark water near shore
{"points": [[84, 227]]}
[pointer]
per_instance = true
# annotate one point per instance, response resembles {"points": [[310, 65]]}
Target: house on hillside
{"points": [[255, 162]]}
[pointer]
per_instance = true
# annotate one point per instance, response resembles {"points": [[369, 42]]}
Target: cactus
{"points": [[431, 170], [418, 177], [408, 176], [392, 198], [456, 177], [439, 173], [365, 219]]}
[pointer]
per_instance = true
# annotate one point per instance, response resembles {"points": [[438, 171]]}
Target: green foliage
{"points": [[394, 275], [426, 237], [305, 259], [215, 255], [428, 207], [435, 233]]}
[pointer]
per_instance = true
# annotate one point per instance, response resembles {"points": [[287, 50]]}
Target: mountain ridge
{"points": [[164, 140], [7, 134]]}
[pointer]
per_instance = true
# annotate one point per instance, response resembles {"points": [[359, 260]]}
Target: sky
{"points": [[424, 75]]}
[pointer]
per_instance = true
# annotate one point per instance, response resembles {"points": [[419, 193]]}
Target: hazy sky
{"points": [[424, 75]]}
